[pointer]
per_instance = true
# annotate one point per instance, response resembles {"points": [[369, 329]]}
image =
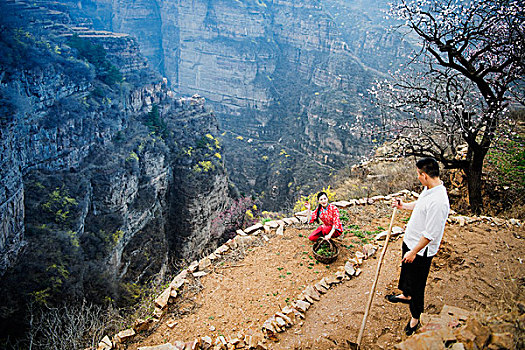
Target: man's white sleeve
{"points": [[435, 221]]}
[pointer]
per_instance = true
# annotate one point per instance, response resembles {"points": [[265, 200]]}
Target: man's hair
{"points": [[429, 166]]}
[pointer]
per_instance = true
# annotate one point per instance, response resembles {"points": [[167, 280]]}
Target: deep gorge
{"points": [[114, 170], [109, 180], [287, 80]]}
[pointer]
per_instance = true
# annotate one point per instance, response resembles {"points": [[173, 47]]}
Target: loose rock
{"points": [[481, 332], [301, 305], [312, 293], [177, 282], [268, 326], [206, 341], [323, 283], [166, 346], [280, 322], [287, 320], [171, 323], [502, 341], [342, 204], [349, 269], [254, 228], [105, 344], [332, 280], [193, 266], [340, 275], [272, 224], [353, 261], [204, 264], [422, 341], [306, 298], [288, 221], [141, 325], [158, 312], [222, 249], [243, 240], [303, 219], [124, 335], [369, 250], [162, 300], [241, 233], [320, 288]]}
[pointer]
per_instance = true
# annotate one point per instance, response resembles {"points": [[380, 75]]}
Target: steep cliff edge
{"points": [[287, 79], [107, 179]]}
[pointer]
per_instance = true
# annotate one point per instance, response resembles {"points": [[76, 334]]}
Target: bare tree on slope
{"points": [[460, 84]]}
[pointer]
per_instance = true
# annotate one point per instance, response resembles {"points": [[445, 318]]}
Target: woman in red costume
{"points": [[328, 214]]}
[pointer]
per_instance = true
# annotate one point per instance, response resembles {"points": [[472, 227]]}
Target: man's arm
{"points": [[411, 254], [399, 204]]}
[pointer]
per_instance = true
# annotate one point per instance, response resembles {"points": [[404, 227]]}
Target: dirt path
{"points": [[478, 268]]}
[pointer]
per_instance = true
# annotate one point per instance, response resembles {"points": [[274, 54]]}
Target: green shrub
{"points": [[96, 55], [343, 216], [59, 204], [156, 123]]}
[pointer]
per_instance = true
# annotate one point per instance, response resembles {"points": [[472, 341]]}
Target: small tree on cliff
{"points": [[459, 85]]}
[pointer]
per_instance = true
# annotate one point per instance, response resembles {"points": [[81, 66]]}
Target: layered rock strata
{"points": [[107, 178], [288, 78]]}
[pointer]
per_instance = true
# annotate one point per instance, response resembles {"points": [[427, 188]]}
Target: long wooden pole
{"points": [[372, 291]]}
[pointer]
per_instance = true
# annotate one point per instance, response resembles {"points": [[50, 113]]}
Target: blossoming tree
{"points": [[467, 72]]}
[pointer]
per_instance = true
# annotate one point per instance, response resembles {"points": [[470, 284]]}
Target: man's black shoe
{"points": [[410, 330], [394, 299]]}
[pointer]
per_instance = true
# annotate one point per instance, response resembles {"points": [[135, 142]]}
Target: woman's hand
{"points": [[307, 206], [329, 235]]}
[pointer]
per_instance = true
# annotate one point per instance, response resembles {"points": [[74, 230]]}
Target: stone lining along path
{"points": [[287, 313]]}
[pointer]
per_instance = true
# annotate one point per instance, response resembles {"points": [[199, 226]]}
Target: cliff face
{"points": [[283, 75], [106, 176]]}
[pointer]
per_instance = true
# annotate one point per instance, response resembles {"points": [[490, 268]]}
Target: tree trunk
{"points": [[474, 171]]}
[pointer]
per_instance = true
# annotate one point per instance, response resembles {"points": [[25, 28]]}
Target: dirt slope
{"points": [[478, 268]]}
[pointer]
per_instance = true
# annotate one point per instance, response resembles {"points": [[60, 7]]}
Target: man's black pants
{"points": [[413, 280]]}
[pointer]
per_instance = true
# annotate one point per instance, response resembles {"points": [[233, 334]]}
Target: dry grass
{"points": [[376, 178]]}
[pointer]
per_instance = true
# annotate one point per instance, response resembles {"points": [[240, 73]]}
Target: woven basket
{"points": [[323, 258]]}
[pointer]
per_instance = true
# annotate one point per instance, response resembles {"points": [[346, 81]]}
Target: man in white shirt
{"points": [[423, 236]]}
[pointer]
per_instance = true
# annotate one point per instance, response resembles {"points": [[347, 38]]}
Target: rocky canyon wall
{"points": [[108, 179], [282, 76]]}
